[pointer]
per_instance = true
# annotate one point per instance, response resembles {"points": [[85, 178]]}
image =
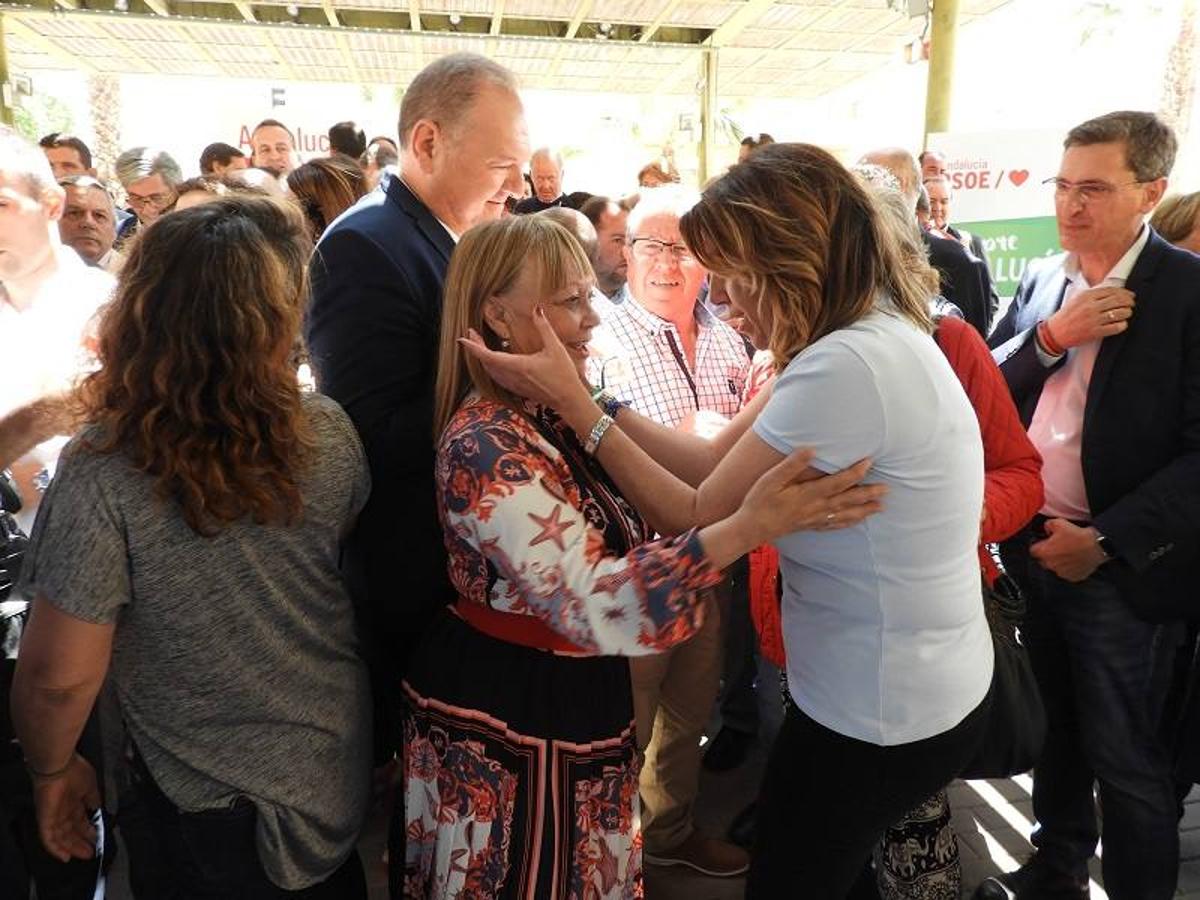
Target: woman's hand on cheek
{"points": [[549, 376]]}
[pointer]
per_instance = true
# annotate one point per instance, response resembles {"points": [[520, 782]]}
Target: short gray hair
{"points": [[548, 153], [900, 163], [445, 90], [1150, 144], [876, 176], [938, 179], [669, 199], [20, 158], [143, 162], [87, 182]]}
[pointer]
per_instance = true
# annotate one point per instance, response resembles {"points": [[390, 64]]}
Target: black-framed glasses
{"points": [[649, 248], [158, 201], [1087, 191]]}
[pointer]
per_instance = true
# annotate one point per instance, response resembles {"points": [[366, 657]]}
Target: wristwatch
{"points": [[1106, 546]]}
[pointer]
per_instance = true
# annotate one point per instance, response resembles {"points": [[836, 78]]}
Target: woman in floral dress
{"points": [[520, 776]]}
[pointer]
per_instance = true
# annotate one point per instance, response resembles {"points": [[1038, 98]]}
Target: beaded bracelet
{"points": [[607, 402], [1046, 338]]}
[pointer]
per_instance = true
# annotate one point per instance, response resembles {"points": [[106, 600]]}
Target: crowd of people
{"points": [[404, 473]]}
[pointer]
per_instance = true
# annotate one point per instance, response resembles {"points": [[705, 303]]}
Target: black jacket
{"points": [[372, 331], [964, 281], [534, 205], [1141, 423]]}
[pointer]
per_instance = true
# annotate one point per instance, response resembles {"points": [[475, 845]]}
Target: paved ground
{"points": [[991, 818]]}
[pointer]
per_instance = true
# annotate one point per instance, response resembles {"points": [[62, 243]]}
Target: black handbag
{"points": [[1016, 721], [13, 541], [13, 612]]}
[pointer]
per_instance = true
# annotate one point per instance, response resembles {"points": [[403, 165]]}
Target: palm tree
{"points": [[1179, 76]]}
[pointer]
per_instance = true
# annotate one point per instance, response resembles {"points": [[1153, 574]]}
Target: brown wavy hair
{"points": [[195, 384], [810, 239], [325, 188]]}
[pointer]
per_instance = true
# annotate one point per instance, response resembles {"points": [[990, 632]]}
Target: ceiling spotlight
{"points": [[121, 5], [455, 19], [605, 28], [293, 10]]}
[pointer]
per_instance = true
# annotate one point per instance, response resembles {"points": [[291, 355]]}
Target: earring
{"points": [[505, 344]]}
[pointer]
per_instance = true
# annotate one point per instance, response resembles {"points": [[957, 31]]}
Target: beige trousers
{"points": [[673, 695]]}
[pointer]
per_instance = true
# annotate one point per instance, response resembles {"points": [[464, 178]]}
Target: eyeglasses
{"points": [[652, 249], [1087, 191], [156, 200]]}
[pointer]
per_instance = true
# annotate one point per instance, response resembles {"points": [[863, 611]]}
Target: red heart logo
{"points": [[1018, 176]]}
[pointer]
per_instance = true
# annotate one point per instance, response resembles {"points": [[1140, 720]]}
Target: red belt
{"points": [[514, 628]]}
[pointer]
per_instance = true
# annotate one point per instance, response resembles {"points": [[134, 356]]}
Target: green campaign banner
{"points": [[1011, 243]]}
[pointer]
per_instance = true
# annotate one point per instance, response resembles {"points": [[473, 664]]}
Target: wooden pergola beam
{"points": [[14, 25], [649, 31], [582, 8], [497, 18], [746, 16]]}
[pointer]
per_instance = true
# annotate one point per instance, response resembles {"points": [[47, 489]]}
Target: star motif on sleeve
{"points": [[552, 528], [611, 584]]}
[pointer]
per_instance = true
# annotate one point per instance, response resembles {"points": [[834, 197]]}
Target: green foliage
{"points": [[42, 114]]}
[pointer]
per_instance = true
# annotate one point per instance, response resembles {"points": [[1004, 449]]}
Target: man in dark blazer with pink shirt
{"points": [[1101, 351]]}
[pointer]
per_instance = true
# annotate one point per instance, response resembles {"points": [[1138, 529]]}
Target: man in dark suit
{"points": [[372, 332], [1101, 350], [940, 197], [963, 281]]}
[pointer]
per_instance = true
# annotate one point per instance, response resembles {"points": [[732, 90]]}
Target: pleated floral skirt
{"points": [[520, 772]]}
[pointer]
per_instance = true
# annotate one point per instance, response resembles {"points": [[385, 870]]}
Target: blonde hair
{"points": [[487, 262], [893, 207], [1176, 216], [812, 242]]}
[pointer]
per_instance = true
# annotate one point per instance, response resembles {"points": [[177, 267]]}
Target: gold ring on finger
{"points": [[1111, 315]]}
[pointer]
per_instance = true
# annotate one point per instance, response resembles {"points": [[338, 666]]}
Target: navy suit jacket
{"points": [[1141, 422], [963, 281], [372, 330]]}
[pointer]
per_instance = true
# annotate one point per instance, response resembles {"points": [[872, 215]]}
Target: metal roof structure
{"points": [[764, 48]]}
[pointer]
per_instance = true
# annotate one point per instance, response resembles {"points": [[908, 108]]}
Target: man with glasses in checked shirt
{"points": [[1101, 350], [665, 354]]}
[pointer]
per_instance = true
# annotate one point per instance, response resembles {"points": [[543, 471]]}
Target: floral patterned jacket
{"points": [[534, 527]]}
